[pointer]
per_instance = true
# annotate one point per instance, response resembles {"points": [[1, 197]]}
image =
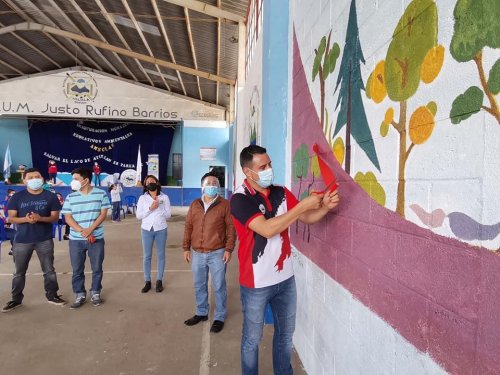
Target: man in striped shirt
{"points": [[85, 209]]}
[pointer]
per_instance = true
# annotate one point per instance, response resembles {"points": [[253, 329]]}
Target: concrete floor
{"points": [[131, 333]]}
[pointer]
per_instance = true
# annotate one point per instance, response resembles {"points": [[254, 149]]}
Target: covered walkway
{"points": [[131, 333]]}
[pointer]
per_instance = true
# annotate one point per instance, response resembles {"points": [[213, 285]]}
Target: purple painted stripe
{"points": [[439, 293]]}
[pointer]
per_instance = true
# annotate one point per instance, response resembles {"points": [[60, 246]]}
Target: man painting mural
{"points": [[262, 214]]}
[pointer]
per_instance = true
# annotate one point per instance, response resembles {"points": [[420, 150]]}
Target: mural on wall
{"points": [[352, 113], [434, 289], [254, 117], [476, 26], [324, 64], [413, 56]]}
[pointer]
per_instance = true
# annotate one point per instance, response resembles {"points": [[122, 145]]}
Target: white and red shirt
{"points": [[263, 262]]}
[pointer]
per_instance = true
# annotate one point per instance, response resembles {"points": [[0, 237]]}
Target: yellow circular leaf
{"points": [[389, 115], [384, 128], [339, 150], [432, 64], [421, 125], [378, 90]]}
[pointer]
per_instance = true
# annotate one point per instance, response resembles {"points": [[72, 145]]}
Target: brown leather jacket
{"points": [[211, 230]]}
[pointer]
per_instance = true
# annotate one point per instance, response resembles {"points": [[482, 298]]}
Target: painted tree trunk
{"points": [[400, 204], [493, 110], [348, 129]]}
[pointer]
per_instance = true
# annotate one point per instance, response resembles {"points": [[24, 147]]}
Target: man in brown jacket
{"points": [[210, 233]]}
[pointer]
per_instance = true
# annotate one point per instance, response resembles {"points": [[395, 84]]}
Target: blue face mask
{"points": [[35, 183], [211, 191], [265, 178]]}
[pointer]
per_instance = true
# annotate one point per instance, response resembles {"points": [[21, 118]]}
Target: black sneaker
{"points": [[196, 319], [78, 302], [57, 300], [96, 300], [11, 305]]}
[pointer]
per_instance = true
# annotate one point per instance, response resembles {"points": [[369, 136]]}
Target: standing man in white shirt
{"points": [[153, 208]]}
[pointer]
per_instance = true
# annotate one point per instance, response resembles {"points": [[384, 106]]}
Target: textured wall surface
{"points": [[404, 276]]}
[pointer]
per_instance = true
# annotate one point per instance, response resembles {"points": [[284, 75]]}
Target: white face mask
{"points": [[35, 183], [76, 185], [265, 178]]}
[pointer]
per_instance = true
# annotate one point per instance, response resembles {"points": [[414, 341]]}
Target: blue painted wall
{"points": [[194, 138], [15, 132], [275, 84]]}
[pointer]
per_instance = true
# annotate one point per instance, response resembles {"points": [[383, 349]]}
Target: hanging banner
{"points": [[73, 144], [153, 165]]}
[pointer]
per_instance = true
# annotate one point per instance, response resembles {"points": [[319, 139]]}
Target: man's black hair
{"points": [[84, 172], [246, 155], [30, 170], [209, 174]]}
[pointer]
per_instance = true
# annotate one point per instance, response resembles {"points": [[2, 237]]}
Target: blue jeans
{"points": [[22, 255], [283, 300], [115, 212], [78, 250], [160, 239], [201, 264]]}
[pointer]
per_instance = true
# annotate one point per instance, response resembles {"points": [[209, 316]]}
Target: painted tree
{"points": [[324, 64], [352, 111], [300, 168], [477, 25], [413, 56]]}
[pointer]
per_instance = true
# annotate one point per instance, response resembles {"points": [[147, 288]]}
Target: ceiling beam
{"points": [[31, 26], [12, 67], [122, 39], [143, 38], [76, 29], [207, 9], [20, 58], [33, 8], [191, 44], [98, 32], [167, 41], [24, 41]]}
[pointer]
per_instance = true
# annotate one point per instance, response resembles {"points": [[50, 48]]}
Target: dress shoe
{"points": [[217, 326], [196, 319], [159, 286], [147, 287]]}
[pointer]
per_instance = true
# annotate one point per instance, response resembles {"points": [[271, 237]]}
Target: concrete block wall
{"points": [[338, 334], [381, 292]]}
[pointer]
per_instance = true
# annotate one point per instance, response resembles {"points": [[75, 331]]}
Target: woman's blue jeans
{"points": [[283, 300], [159, 238], [201, 264]]}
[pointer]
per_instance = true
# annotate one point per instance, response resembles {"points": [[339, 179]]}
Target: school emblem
{"points": [[80, 87]]}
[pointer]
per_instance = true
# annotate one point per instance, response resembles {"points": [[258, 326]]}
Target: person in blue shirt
{"points": [[85, 210], [33, 211]]}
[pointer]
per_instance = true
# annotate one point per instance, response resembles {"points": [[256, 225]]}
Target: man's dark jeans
{"points": [[22, 255], [78, 250]]}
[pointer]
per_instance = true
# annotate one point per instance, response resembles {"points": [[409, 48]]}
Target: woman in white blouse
{"points": [[153, 208]]}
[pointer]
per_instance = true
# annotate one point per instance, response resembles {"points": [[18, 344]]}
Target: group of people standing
{"points": [[259, 212]]}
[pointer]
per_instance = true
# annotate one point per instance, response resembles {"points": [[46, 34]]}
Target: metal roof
{"points": [[188, 47]]}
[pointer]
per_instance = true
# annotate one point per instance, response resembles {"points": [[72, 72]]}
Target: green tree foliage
{"points": [[465, 105], [477, 25], [324, 64], [352, 111], [414, 36]]}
